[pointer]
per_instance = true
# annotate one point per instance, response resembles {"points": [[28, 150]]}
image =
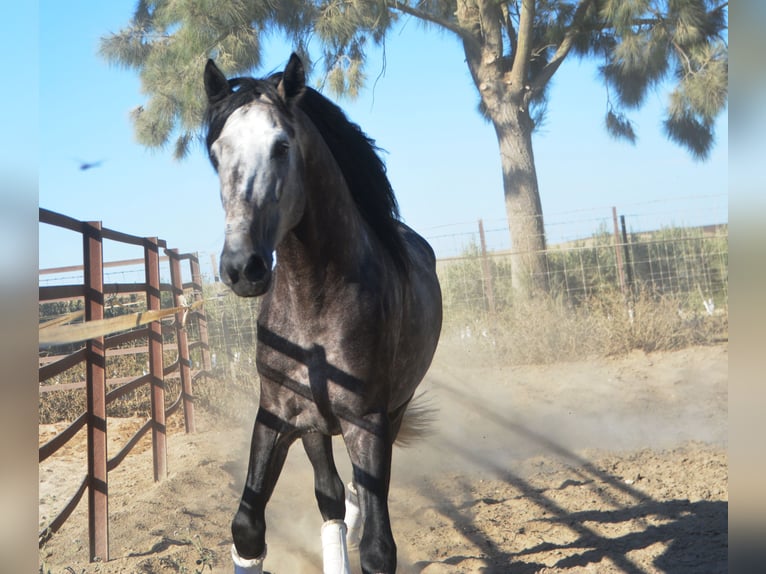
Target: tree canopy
{"points": [[512, 49], [641, 43]]}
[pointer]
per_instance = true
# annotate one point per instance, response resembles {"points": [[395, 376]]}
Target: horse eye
{"points": [[280, 149]]}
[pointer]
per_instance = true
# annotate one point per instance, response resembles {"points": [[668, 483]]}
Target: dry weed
{"points": [[547, 330]]}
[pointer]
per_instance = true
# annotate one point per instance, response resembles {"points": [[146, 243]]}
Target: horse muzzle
{"points": [[247, 274]]}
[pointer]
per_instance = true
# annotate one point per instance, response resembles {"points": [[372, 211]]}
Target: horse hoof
{"points": [[247, 565]]}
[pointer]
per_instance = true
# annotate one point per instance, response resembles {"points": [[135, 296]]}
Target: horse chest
{"points": [[313, 375]]}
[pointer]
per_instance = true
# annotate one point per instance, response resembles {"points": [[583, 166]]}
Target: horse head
{"points": [[252, 144]]}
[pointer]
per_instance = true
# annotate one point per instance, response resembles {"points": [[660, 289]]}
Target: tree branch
{"points": [[564, 48], [510, 30], [405, 8], [562, 51], [492, 21], [524, 43]]}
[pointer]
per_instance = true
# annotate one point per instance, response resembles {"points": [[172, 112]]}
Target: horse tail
{"points": [[417, 421]]}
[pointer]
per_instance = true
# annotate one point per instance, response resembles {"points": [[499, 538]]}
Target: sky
{"points": [[442, 157]]}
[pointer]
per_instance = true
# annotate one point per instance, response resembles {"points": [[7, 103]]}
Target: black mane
{"points": [[355, 153]]}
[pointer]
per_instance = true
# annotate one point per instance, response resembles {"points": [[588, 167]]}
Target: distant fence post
{"points": [[202, 316], [618, 253], [153, 302], [214, 264], [182, 340], [628, 262], [98, 495]]}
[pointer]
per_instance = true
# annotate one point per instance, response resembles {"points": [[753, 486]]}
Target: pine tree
{"points": [[512, 48]]}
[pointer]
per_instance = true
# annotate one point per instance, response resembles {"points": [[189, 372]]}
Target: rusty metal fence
{"points": [[102, 390]]}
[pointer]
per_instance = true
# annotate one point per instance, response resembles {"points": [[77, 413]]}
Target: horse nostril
{"points": [[229, 269], [249, 275], [256, 269]]}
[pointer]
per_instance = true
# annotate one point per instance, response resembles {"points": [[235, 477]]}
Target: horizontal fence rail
{"points": [[152, 340]]}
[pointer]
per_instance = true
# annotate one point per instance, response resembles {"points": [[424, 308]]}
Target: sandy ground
{"points": [[601, 465]]}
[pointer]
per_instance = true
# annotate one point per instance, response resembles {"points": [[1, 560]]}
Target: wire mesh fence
{"points": [[688, 263], [663, 263]]}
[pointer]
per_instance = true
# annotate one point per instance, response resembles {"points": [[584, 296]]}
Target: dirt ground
{"points": [[601, 465]]}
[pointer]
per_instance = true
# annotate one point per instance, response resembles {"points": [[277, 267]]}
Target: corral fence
{"points": [[145, 335], [688, 263]]}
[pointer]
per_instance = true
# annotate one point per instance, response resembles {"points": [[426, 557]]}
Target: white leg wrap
{"points": [[245, 565], [334, 551], [353, 517]]}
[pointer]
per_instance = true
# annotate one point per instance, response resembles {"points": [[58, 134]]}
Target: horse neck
{"points": [[332, 235]]}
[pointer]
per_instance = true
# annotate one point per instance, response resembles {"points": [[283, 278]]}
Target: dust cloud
{"points": [[493, 422], [491, 417]]}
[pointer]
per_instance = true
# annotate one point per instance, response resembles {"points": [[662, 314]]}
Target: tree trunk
{"points": [[529, 272], [513, 128], [505, 95]]}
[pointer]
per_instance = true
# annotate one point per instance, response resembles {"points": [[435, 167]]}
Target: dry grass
{"points": [[67, 405], [545, 330], [539, 331]]}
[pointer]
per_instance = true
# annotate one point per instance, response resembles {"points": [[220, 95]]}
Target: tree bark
{"points": [[522, 203]]}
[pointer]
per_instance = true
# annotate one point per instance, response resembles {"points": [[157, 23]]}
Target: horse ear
{"points": [[216, 84], [293, 81]]}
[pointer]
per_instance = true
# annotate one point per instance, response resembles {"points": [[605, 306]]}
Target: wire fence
{"points": [[687, 263], [673, 251], [564, 227], [232, 334], [675, 246]]}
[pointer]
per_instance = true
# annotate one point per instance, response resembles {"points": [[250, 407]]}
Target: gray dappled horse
{"points": [[351, 312]]}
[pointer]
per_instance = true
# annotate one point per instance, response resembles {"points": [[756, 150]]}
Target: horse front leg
{"points": [[329, 491], [328, 487], [368, 442], [268, 450]]}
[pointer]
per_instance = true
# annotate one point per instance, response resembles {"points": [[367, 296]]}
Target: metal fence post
{"points": [[201, 314], [618, 253], [98, 491], [626, 251], [182, 341], [153, 302]]}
